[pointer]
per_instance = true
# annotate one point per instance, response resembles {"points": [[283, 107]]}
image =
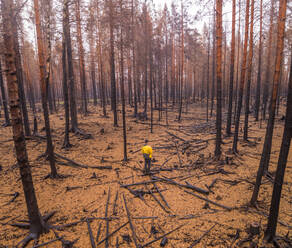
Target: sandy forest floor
{"points": [[185, 159]]}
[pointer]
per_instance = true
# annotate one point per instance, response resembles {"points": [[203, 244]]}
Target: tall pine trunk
{"points": [[266, 153], [4, 99], [282, 161], [36, 223], [242, 79], [67, 34], [112, 65], [44, 80], [219, 34], [231, 82], [249, 74], [259, 74], [81, 60]]}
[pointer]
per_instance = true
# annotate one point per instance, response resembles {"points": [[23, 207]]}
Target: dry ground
{"points": [[80, 196]]}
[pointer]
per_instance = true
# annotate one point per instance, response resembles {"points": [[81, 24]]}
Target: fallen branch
{"points": [[197, 241], [161, 237], [107, 221], [188, 186], [90, 234], [210, 201], [131, 224], [159, 203], [111, 234]]}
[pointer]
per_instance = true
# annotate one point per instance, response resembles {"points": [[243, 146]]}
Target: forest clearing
{"points": [[83, 195], [129, 123]]}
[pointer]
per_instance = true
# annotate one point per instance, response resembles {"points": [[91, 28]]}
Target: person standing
{"points": [[147, 154]]}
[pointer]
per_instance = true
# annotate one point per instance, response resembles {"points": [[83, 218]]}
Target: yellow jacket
{"points": [[147, 150]]}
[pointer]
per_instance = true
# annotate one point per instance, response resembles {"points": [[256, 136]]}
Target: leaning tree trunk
{"points": [[4, 99], [232, 57], [218, 76], [265, 158], [284, 151], [36, 223], [259, 75], [44, 80], [242, 80], [250, 56]]}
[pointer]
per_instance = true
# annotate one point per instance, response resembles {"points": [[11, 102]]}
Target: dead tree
{"points": [[36, 224], [44, 80], [232, 57], [242, 79], [219, 34], [266, 153], [268, 61], [123, 90], [67, 36], [4, 99], [258, 88], [66, 143], [81, 60], [112, 64], [284, 151], [249, 74]]}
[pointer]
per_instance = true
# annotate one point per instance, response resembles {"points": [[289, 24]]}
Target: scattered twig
{"points": [[131, 224], [197, 241]]}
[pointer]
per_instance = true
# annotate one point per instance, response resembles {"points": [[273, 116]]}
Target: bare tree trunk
{"points": [[214, 63], [182, 63], [232, 58], [258, 89], [4, 99], [92, 57], [249, 74], [66, 143], [112, 65], [242, 79], [282, 161], [219, 34], [123, 92], [81, 60], [44, 80], [73, 108], [265, 158], [36, 223], [134, 61], [268, 62]]}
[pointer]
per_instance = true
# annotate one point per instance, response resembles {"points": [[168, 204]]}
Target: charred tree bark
{"points": [[44, 80], [219, 34], [249, 74], [81, 60], [268, 62], [182, 63], [123, 92], [4, 99], [282, 161], [265, 158], [67, 35], [232, 58], [36, 223], [214, 62], [112, 65], [66, 143], [259, 75], [242, 80]]}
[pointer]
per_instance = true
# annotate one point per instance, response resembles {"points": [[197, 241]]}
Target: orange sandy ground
{"points": [[187, 210]]}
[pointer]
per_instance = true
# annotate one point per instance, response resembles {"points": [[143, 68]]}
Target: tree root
{"points": [[81, 133]]}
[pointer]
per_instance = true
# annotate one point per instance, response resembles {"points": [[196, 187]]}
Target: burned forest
{"points": [[135, 123]]}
